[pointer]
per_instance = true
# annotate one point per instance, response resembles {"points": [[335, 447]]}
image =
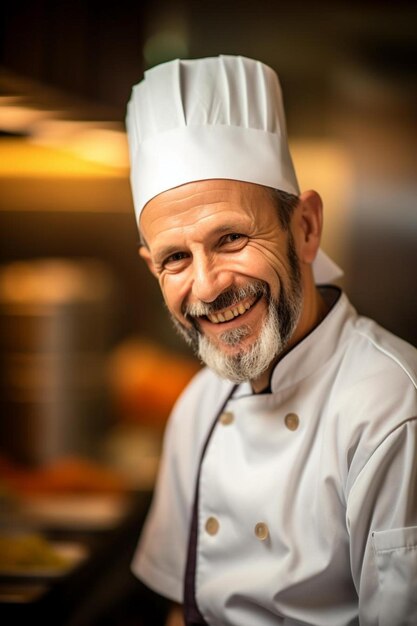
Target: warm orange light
{"points": [[104, 143], [16, 117], [20, 158]]}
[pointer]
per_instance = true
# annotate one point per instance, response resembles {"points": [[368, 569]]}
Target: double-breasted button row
{"points": [[291, 420], [212, 527]]}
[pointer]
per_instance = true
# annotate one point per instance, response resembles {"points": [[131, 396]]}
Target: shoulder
{"points": [[202, 392], [376, 364], [204, 384], [386, 350], [376, 392], [199, 403], [382, 377]]}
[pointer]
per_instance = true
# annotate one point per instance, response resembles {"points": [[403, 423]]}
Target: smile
{"points": [[231, 313]]}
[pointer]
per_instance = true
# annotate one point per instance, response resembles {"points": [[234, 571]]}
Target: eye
{"points": [[233, 237], [174, 260], [235, 241]]}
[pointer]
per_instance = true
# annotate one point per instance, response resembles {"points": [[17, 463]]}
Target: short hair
{"points": [[285, 203]]}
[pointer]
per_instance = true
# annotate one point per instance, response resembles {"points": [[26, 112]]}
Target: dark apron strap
{"points": [[192, 613]]}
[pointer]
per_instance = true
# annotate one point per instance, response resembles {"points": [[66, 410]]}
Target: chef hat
{"points": [[218, 117]]}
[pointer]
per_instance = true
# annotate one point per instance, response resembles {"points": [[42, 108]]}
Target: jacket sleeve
{"points": [[382, 522]]}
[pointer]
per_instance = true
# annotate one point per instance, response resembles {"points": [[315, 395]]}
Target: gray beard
{"points": [[252, 361]]}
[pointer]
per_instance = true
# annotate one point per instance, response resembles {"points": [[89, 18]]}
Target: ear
{"points": [[146, 256], [310, 221]]}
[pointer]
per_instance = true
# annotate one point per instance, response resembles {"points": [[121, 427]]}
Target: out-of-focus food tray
{"points": [[31, 555], [69, 494], [92, 512]]}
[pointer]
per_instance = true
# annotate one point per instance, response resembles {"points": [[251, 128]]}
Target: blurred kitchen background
{"points": [[90, 362]]}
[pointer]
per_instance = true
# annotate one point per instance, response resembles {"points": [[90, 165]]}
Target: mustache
{"points": [[227, 299]]}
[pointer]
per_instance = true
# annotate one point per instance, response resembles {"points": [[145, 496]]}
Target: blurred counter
{"points": [[67, 536], [68, 530], [97, 587]]}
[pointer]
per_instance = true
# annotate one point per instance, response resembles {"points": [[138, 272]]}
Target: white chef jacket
{"points": [[308, 494]]}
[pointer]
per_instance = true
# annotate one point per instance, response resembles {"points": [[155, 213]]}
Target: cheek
{"points": [[173, 292], [264, 264]]}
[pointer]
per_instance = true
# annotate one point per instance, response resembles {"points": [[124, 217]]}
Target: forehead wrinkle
{"points": [[198, 223], [187, 205], [176, 213]]}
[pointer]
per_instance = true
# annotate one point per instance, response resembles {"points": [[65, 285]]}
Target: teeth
{"points": [[228, 315]]}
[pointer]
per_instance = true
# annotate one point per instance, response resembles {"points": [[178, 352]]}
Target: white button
{"points": [[261, 531], [292, 421], [227, 418], [212, 526]]}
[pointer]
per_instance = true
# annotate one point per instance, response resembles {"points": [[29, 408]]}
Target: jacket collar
{"points": [[318, 346]]}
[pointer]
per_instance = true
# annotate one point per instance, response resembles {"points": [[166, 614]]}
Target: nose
{"points": [[210, 279]]}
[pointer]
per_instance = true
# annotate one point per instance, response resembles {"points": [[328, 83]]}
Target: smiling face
{"points": [[230, 275]]}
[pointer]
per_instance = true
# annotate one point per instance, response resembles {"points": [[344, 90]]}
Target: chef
{"points": [[287, 490]]}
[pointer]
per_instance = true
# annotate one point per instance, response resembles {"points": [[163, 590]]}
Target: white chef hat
{"points": [[217, 117]]}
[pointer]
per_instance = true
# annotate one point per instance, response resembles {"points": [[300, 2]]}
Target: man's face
{"points": [[228, 272]]}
